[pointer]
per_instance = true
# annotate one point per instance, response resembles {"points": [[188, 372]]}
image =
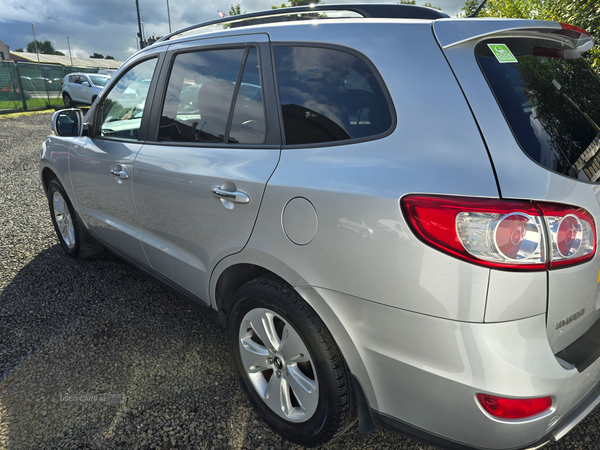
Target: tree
{"points": [[584, 14], [19, 50], [109, 57], [45, 48], [292, 3], [236, 10], [97, 56]]}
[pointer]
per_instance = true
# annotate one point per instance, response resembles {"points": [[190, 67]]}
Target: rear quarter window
{"points": [[551, 100], [329, 95]]}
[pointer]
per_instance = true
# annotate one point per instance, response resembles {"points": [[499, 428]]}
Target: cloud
{"points": [[110, 27]]}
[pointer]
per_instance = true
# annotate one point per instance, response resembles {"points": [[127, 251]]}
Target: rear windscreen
{"points": [[551, 100]]}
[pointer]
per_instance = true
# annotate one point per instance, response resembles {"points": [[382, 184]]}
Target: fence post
{"points": [[21, 88]]}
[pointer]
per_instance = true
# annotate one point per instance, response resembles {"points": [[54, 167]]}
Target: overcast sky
{"points": [[109, 27]]}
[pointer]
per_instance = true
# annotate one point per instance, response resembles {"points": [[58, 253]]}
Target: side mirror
{"points": [[67, 122], [85, 83]]}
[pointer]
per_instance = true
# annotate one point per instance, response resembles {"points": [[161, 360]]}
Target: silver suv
{"points": [[82, 88], [392, 212]]}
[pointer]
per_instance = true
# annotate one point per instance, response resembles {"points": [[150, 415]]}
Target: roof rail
{"points": [[379, 11]]}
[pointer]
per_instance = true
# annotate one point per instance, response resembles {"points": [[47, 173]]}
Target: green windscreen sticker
{"points": [[502, 53]]}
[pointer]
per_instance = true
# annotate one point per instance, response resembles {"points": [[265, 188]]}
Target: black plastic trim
{"points": [[584, 351], [366, 424]]}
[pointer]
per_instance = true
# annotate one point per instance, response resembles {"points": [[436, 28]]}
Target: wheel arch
{"points": [[47, 176], [236, 270]]}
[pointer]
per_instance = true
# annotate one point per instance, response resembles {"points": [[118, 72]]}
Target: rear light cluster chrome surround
{"points": [[503, 234]]}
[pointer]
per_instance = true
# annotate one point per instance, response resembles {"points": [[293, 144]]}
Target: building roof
{"points": [[66, 60]]}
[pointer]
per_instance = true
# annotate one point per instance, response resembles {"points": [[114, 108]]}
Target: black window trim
{"points": [[273, 137], [159, 56], [365, 60]]}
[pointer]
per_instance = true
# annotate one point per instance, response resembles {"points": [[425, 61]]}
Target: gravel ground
{"points": [[94, 354]]}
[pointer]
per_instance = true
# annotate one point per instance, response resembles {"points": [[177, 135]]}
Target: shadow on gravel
{"points": [[95, 354]]}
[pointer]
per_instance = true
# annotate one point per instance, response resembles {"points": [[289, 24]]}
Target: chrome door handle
{"points": [[237, 197], [119, 174]]}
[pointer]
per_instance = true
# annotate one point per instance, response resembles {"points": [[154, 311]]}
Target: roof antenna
{"points": [[479, 8]]}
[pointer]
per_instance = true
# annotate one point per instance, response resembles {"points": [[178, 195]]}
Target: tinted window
{"points": [[551, 100], [328, 95], [201, 90], [99, 81], [120, 114]]}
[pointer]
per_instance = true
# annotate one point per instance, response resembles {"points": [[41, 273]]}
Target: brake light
{"points": [[503, 234], [572, 234], [572, 31], [514, 408], [62, 82], [583, 39]]}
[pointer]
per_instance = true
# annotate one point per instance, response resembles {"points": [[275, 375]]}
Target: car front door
{"points": [[101, 165], [199, 186], [76, 87], [86, 91]]}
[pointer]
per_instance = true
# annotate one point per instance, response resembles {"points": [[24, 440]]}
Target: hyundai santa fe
{"points": [[392, 212]]}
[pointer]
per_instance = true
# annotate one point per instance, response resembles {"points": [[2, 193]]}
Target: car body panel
{"points": [[520, 177], [421, 331], [105, 202], [186, 229]]}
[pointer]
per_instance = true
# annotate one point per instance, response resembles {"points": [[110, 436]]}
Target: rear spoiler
{"points": [[450, 33]]}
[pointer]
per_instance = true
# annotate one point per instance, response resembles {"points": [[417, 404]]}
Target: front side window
{"points": [[551, 100], [120, 114], [328, 95], [203, 87]]}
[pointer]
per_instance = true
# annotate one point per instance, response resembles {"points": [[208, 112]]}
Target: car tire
{"points": [[73, 237], [288, 364], [67, 100]]}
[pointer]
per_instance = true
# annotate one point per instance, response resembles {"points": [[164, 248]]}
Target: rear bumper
{"points": [[560, 429], [421, 374]]}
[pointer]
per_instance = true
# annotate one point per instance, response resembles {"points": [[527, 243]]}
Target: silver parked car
{"points": [[392, 212], [82, 88]]}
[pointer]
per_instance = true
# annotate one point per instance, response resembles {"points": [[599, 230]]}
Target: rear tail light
{"points": [[62, 82], [572, 31], [503, 234], [583, 39], [514, 408], [572, 234]]}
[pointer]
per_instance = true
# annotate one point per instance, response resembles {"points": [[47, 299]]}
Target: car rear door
{"points": [[537, 105], [101, 164], [199, 185]]}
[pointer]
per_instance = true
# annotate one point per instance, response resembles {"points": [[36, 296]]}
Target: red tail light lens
{"points": [[503, 234], [583, 39], [572, 234], [572, 31], [514, 408]]}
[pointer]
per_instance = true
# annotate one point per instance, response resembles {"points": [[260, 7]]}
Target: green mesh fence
{"points": [[30, 86], [10, 93]]}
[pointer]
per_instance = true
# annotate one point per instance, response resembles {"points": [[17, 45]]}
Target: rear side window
{"points": [[328, 95], [203, 87], [551, 100]]}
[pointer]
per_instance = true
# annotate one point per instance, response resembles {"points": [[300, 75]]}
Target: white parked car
{"points": [[82, 88]]}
